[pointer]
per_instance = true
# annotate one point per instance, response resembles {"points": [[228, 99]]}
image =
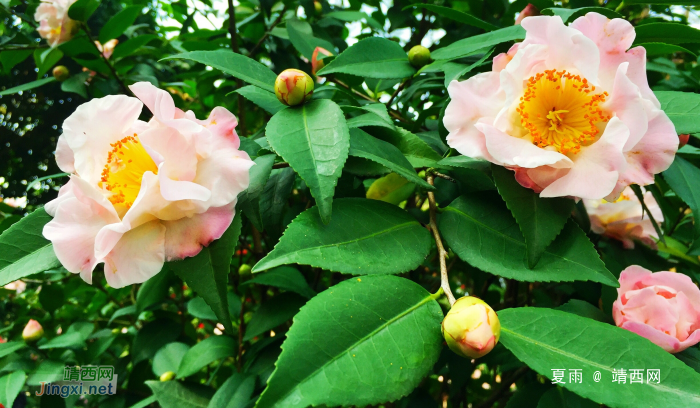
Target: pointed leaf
{"points": [[462, 48], [362, 342], [273, 202], [458, 16], [372, 57], [27, 86], [314, 140], [540, 219], [249, 199], [561, 398], [684, 179], [364, 237], [119, 23], [10, 386], [234, 393], [264, 99], [284, 277], [481, 230], [23, 249], [169, 357], [206, 352], [682, 108], [302, 38], [547, 339], [173, 394]]}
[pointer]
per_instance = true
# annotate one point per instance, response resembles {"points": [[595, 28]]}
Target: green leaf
{"points": [[48, 371], [368, 119], [657, 48], [199, 308], [273, 202], [152, 336], [172, 394], [561, 398], [466, 46], [10, 58], [10, 386], [234, 393], [540, 219], [81, 10], [76, 84], [384, 153], [302, 38], [273, 313], [264, 99], [23, 249], [132, 45], [364, 341], [585, 309], [153, 291], [206, 352], [124, 311], [234, 64], [569, 15], [119, 23], [392, 189], [51, 297], [684, 179], [465, 162], [27, 86], [482, 232], [454, 71], [73, 340], [683, 108], [10, 347], [364, 237], [373, 57], [169, 357], [668, 33], [249, 199], [669, 2], [418, 152], [691, 357], [546, 339], [314, 139], [284, 277], [45, 59], [207, 273], [457, 15]]}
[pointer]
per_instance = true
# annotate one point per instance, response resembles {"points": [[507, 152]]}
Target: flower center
{"points": [[126, 164], [561, 110]]}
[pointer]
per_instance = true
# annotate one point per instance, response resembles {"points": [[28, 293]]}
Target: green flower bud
{"points": [[244, 270], [318, 7], [471, 328], [32, 331], [167, 376], [61, 73], [293, 87], [419, 56]]}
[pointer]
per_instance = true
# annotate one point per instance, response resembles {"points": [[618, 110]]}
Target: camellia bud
{"points": [[293, 87], [471, 328], [244, 270], [683, 140], [529, 11], [316, 63], [167, 376], [419, 56], [32, 331], [318, 7], [61, 73]]}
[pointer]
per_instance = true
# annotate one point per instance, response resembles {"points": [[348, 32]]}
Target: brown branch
{"points": [[396, 92], [125, 89], [444, 279], [280, 165], [232, 26]]}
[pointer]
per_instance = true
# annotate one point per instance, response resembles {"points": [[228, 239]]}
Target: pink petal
{"points": [[185, 237], [626, 101], [514, 151], [138, 256], [661, 339], [64, 156], [225, 174], [161, 104], [677, 281]]}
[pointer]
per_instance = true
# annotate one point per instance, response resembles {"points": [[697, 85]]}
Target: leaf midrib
{"points": [[23, 257], [355, 344], [580, 359]]}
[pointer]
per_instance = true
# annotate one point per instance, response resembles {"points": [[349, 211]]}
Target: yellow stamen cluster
{"points": [[126, 163], [561, 110]]}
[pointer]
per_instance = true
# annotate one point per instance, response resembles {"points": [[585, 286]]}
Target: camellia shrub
{"points": [[255, 204]]}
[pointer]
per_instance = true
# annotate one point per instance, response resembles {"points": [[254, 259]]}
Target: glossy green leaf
{"points": [[302, 38], [76, 84], [206, 352], [274, 199], [683, 108], [314, 139], [464, 47], [372, 57], [207, 272], [364, 341], [23, 249], [585, 309], [454, 71], [481, 230], [417, 151], [153, 290], [458, 16], [249, 199], [561, 398], [173, 394], [119, 23], [237, 65], [284, 277], [169, 357], [199, 308], [81, 10], [547, 339], [10, 386], [684, 179], [365, 146], [540, 219], [264, 99], [364, 237], [132, 45], [152, 336], [124, 311], [669, 33], [10, 347], [569, 15], [236, 392], [656, 48], [691, 357], [45, 59], [273, 313], [28, 86], [391, 188]]}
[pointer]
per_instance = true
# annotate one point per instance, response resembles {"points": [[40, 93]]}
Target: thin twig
{"points": [[346, 86], [125, 89], [442, 176], [25, 47], [280, 165], [396, 92], [444, 280], [267, 33], [232, 26]]}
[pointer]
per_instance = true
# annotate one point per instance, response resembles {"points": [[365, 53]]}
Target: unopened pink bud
{"points": [[32, 331], [293, 87], [471, 328]]}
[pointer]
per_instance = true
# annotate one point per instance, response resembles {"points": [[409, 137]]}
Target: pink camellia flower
{"points": [[54, 24], [663, 307], [107, 48], [568, 109], [143, 193], [625, 219]]}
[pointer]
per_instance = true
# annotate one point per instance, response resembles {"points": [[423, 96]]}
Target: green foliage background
{"points": [[342, 306]]}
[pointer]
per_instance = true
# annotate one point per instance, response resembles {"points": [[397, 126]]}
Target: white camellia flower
{"points": [[143, 193]]}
